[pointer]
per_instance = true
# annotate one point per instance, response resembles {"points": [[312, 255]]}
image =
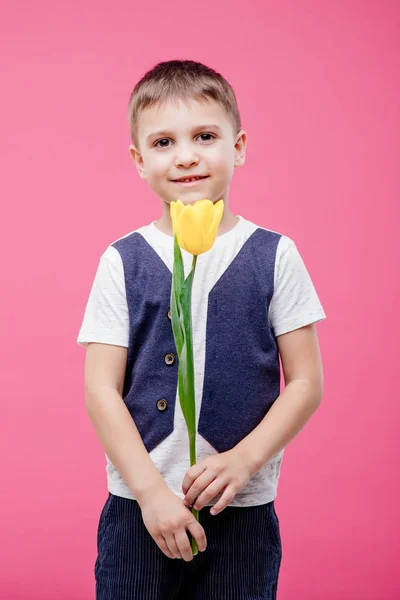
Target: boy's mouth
{"points": [[189, 181]]}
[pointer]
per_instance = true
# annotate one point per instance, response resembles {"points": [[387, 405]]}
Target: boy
{"points": [[253, 301]]}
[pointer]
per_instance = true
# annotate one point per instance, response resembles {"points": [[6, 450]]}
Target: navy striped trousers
{"points": [[241, 561]]}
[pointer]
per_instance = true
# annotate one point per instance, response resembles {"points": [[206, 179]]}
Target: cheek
{"points": [[222, 160], [159, 168], [222, 167]]}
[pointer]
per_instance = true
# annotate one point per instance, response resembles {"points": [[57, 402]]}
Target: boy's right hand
{"points": [[166, 519]]}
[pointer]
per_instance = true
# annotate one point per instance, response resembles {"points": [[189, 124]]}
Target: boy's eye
{"points": [[162, 146], [156, 144], [209, 134]]}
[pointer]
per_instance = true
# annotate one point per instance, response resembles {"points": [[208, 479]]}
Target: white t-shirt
{"points": [[294, 304]]}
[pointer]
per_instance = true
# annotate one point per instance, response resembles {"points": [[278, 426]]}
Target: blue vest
{"points": [[242, 369]]}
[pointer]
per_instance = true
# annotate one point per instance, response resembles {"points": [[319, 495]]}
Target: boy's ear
{"points": [[137, 159], [240, 148]]}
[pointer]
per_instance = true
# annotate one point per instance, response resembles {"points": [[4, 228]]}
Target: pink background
{"points": [[318, 89]]}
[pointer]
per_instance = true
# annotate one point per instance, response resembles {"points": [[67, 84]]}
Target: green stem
{"points": [[181, 299], [195, 548], [192, 444], [192, 439]]}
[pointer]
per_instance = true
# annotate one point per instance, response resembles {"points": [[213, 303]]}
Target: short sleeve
{"points": [[295, 302], [106, 317]]}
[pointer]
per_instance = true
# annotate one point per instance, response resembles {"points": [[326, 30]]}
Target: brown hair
{"points": [[181, 80]]}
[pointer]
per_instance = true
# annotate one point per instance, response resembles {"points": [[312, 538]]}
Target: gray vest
{"points": [[242, 369]]}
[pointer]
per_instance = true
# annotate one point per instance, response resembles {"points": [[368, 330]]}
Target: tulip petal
{"points": [[190, 234], [196, 225], [179, 207], [217, 213], [204, 213]]}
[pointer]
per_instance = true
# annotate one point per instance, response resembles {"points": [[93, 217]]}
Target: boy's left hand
{"points": [[229, 471]]}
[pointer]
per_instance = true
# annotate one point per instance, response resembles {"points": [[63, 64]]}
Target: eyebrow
{"points": [[169, 132]]}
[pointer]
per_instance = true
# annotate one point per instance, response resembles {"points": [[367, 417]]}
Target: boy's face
{"points": [[178, 141]]}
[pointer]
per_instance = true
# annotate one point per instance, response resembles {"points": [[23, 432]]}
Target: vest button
{"points": [[169, 314], [169, 359], [162, 404]]}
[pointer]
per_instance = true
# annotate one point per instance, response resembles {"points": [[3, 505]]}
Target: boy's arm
{"points": [[164, 515], [302, 395], [231, 470], [104, 377]]}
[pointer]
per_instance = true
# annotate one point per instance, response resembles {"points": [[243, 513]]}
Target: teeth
{"points": [[192, 179]]}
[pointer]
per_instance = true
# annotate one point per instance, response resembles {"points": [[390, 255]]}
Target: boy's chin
{"points": [[188, 200]]}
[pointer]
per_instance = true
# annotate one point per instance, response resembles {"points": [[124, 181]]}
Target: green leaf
{"points": [[181, 299], [177, 282], [187, 365]]}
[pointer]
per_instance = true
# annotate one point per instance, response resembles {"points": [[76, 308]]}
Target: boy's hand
{"points": [[229, 471], [167, 519]]}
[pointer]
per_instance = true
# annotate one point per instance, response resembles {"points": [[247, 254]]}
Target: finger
{"points": [[161, 543], [198, 533], [223, 502], [215, 488], [191, 475], [183, 544], [172, 547], [201, 483]]}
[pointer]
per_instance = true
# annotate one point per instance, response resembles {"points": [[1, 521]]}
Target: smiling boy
{"points": [[213, 156], [253, 303]]}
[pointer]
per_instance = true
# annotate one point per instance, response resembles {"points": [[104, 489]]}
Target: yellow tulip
{"points": [[196, 224]]}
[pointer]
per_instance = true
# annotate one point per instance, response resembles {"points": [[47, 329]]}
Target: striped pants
{"points": [[241, 561]]}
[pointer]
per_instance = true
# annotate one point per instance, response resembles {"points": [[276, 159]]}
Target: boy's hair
{"points": [[181, 80]]}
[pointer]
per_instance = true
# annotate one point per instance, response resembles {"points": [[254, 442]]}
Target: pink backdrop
{"points": [[318, 88]]}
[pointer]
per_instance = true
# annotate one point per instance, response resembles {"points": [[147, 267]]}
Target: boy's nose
{"points": [[186, 158]]}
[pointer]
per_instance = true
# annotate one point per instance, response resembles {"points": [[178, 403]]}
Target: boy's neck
{"points": [[228, 222]]}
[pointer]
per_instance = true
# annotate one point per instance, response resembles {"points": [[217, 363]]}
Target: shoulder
{"points": [[265, 236], [113, 253]]}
